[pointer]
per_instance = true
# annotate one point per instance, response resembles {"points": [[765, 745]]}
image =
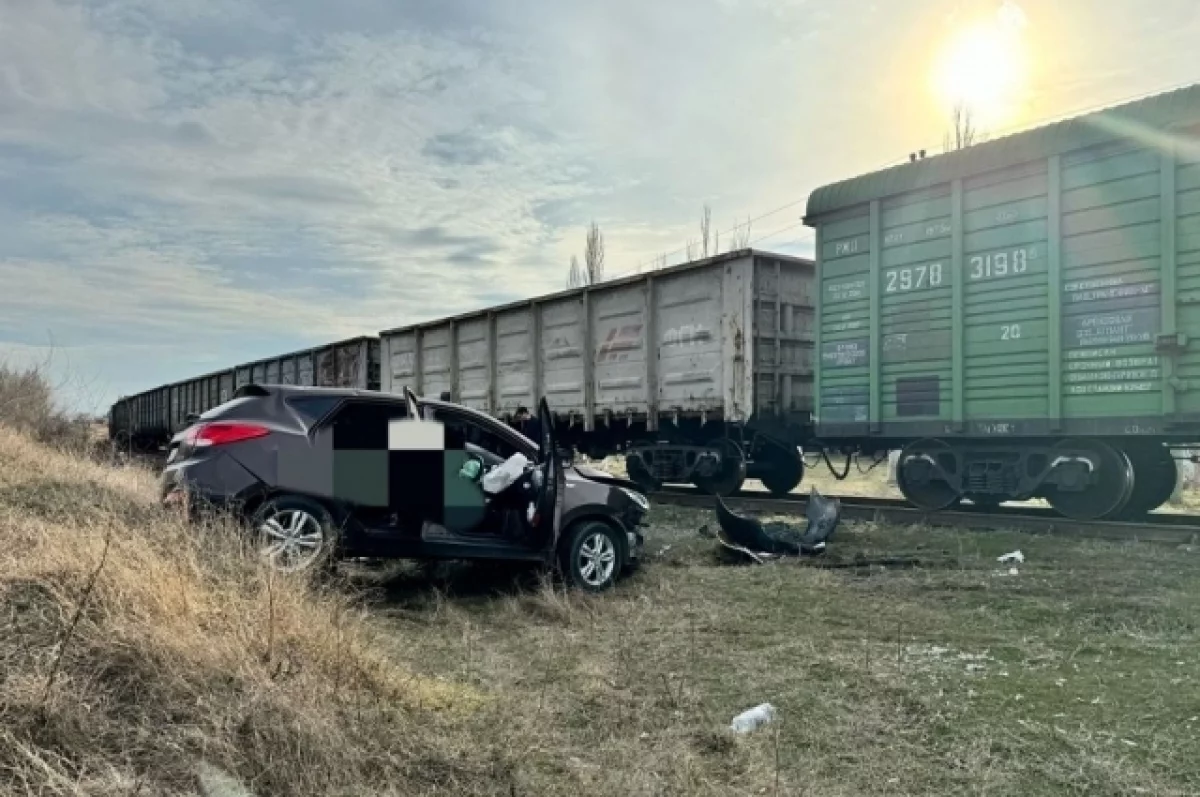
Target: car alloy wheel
{"points": [[291, 539], [597, 559]]}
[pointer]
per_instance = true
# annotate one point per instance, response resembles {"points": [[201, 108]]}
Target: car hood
{"points": [[603, 477]]}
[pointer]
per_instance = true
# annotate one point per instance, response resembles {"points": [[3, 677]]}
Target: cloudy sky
{"points": [[188, 184]]}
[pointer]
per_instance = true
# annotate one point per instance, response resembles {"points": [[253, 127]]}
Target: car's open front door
{"points": [[550, 501], [414, 406]]}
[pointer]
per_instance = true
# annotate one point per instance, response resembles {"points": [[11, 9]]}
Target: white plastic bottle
{"points": [[753, 718]]}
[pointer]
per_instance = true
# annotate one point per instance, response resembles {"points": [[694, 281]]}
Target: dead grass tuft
{"points": [[132, 648]]}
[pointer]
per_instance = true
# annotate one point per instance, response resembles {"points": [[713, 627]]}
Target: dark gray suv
{"points": [[278, 456]]}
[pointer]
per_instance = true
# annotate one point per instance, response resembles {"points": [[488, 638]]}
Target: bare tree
{"points": [[705, 230], [661, 261], [691, 249], [963, 132], [740, 236], [575, 277], [593, 255]]}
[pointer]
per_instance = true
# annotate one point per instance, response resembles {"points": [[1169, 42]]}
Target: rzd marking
{"points": [[616, 345], [686, 335]]}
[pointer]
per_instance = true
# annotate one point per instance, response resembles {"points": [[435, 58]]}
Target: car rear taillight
{"points": [[224, 433]]}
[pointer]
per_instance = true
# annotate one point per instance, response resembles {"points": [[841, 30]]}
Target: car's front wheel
{"points": [[591, 556], [294, 534]]}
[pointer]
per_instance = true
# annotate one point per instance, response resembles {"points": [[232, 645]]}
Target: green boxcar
{"points": [[1023, 315]]}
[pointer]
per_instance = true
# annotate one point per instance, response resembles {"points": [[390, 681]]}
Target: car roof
{"points": [[350, 392], [307, 390]]}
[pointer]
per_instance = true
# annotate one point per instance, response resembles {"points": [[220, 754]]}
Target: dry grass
{"points": [[136, 654], [132, 649], [1077, 676]]}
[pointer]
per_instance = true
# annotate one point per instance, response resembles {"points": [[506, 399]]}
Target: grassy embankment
{"points": [[135, 654]]}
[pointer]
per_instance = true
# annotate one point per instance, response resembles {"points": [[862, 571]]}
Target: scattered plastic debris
{"points": [[1012, 571], [1014, 556], [216, 782], [752, 719]]}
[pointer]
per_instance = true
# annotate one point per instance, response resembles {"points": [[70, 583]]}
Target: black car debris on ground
{"points": [[321, 474]]}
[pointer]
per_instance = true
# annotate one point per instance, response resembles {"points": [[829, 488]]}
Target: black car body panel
{"points": [[289, 459]]}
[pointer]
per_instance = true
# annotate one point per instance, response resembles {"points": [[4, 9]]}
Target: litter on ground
{"points": [[752, 719]]}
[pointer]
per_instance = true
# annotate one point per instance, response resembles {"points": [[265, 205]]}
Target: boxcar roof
{"points": [[736, 254], [1145, 118]]}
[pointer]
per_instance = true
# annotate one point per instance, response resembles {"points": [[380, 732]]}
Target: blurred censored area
{"points": [[408, 465]]}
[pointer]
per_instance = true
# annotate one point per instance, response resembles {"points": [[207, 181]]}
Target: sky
{"points": [[190, 184]]}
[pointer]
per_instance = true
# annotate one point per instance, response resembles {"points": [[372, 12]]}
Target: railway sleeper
{"points": [[1081, 478]]}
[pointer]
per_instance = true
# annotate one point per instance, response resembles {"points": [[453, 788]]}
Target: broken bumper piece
{"points": [[765, 541]]}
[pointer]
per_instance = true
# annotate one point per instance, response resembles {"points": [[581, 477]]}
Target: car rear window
{"points": [[313, 408]]}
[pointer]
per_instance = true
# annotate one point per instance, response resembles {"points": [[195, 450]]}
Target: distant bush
{"points": [[27, 404]]}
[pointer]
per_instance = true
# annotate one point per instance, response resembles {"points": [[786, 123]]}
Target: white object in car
{"points": [[497, 479]]}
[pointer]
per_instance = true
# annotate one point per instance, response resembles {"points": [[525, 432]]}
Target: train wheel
{"points": [[1154, 476], [784, 470], [733, 469], [640, 475], [1109, 487], [920, 481]]}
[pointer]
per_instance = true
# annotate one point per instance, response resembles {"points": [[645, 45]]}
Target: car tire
{"points": [[298, 521], [590, 556]]}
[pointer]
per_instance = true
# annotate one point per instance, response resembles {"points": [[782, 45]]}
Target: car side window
{"points": [[364, 424], [469, 431]]}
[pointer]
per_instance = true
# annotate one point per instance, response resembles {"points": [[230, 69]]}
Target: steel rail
{"points": [[1163, 528]]}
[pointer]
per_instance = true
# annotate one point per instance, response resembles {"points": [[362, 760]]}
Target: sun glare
{"points": [[983, 68]]}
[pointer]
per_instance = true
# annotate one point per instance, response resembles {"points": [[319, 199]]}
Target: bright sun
{"points": [[983, 68]]}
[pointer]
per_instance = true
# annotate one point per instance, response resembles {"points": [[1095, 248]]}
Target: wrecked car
{"points": [[321, 474]]}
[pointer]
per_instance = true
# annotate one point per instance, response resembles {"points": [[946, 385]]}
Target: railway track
{"points": [[1157, 527]]}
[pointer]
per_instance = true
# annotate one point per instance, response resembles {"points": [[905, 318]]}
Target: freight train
{"points": [[698, 373], [147, 420], [1018, 318]]}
